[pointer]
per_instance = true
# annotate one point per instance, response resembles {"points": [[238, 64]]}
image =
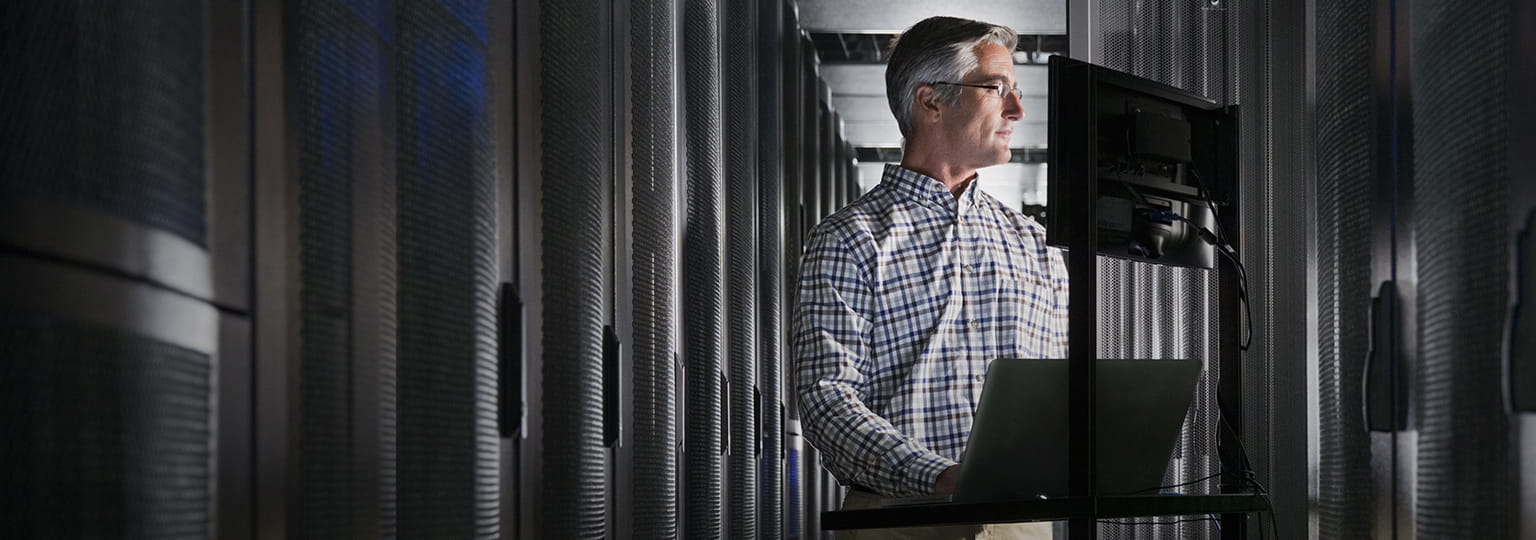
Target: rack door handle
{"points": [[509, 392], [725, 414], [1520, 345], [613, 419], [1386, 395]]}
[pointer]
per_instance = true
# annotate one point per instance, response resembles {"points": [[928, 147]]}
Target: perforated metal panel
{"points": [[103, 108], [448, 444], [1346, 502], [772, 165], [703, 300], [741, 259], [654, 141], [1150, 311], [1183, 44], [107, 434], [340, 86], [577, 163], [1466, 481]]}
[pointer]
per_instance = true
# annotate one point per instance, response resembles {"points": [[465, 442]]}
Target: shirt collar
{"points": [[918, 186]]}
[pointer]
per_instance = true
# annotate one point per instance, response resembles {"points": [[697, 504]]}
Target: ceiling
{"points": [[893, 16]]}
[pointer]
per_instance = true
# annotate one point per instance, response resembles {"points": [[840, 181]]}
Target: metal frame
{"points": [[527, 452], [502, 58], [1083, 39], [227, 65], [1076, 147], [1522, 183], [1088, 509], [275, 297], [1393, 260], [621, 262], [1275, 393]]}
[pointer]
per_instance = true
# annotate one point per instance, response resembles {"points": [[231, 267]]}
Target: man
{"points": [[907, 294]]}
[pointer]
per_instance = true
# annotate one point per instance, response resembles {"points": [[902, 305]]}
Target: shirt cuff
{"points": [[924, 473]]}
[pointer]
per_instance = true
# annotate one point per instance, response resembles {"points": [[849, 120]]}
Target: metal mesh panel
{"points": [[1183, 44], [741, 168], [389, 369], [702, 296], [448, 444], [1344, 123], [339, 84], [770, 271], [1466, 483], [118, 84], [576, 168], [108, 434], [654, 141], [1151, 311], [1148, 311]]}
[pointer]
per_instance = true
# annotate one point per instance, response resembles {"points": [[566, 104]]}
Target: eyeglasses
{"points": [[1002, 89]]}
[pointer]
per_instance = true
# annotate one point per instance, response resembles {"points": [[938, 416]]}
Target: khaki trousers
{"points": [[859, 499]]}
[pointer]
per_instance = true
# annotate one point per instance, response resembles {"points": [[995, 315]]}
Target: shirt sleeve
{"points": [[833, 363], [1060, 312]]}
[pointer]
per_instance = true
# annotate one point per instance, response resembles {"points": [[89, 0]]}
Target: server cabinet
{"points": [[795, 156], [772, 213], [110, 233], [703, 301], [1466, 486], [742, 247], [376, 221], [1348, 159], [576, 149], [654, 184]]}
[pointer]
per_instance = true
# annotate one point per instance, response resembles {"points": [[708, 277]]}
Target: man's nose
{"points": [[1013, 107]]}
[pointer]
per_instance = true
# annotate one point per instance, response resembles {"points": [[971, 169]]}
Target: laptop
{"points": [[1020, 439]]}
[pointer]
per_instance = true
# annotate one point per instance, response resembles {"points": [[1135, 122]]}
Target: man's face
{"points": [[978, 125]]}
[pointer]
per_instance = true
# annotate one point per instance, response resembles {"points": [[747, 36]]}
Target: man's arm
{"points": [[832, 361]]}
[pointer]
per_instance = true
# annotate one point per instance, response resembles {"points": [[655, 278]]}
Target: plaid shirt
{"points": [[904, 298]]}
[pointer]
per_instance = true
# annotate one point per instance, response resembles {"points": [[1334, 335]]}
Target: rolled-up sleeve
{"points": [[833, 363]]}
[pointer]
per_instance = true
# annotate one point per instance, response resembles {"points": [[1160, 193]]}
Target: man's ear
{"points": [[925, 104]]}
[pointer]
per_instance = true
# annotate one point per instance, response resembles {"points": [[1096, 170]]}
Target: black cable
{"points": [[1219, 242], [1172, 486], [1224, 246], [1252, 478]]}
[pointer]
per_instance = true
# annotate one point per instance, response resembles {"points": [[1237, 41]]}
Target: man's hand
{"points": [[946, 482]]}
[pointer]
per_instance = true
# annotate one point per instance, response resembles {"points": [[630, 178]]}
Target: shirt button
{"points": [[975, 325], [979, 378], [970, 268]]}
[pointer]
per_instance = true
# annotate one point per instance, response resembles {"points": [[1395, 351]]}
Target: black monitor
{"points": [[1150, 162]]}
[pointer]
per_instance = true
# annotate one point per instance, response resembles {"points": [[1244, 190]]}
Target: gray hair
{"points": [[936, 49]]}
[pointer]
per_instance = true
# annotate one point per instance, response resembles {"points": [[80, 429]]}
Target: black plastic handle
{"points": [[757, 420], [509, 394], [1520, 348], [725, 414], [1386, 394], [613, 419]]}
